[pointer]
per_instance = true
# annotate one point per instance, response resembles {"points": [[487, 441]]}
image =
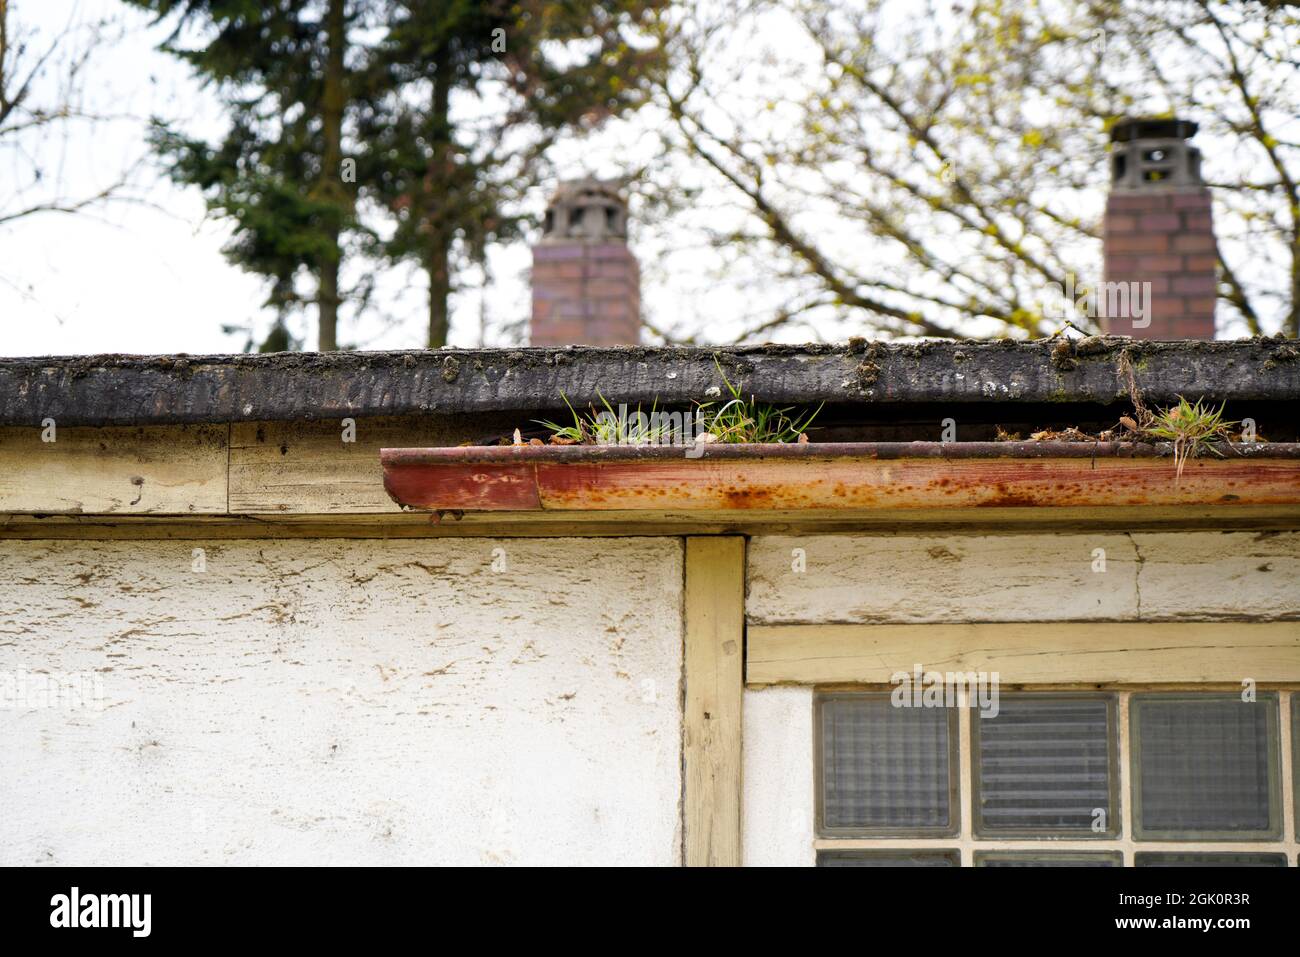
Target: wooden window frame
{"points": [[1086, 654]]}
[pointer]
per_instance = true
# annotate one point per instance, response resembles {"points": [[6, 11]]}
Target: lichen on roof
{"points": [[139, 390]]}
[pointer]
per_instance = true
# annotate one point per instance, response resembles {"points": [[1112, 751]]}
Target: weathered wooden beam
{"points": [[137, 390], [714, 677], [532, 524], [1028, 653], [320, 467], [150, 470], [908, 578]]}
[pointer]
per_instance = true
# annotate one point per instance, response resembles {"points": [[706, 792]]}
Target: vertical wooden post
{"points": [[715, 635]]}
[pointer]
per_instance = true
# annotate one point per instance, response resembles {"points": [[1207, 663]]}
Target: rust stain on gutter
{"points": [[831, 476], [471, 487]]}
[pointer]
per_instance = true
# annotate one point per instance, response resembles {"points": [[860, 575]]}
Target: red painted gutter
{"points": [[835, 476]]}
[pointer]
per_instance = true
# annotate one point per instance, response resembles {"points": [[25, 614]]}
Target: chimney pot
{"points": [[1154, 154], [586, 282], [1159, 230]]}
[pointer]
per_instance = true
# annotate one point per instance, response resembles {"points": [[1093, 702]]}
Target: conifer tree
{"points": [[443, 115], [281, 71], [474, 92]]}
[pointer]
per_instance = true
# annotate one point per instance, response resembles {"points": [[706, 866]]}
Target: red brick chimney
{"points": [[1158, 230], [586, 282]]}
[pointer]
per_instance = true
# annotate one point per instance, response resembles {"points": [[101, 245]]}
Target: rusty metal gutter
{"points": [[885, 475]]}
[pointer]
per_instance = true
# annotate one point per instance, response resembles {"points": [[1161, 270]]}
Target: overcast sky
{"points": [[127, 277], [149, 276]]}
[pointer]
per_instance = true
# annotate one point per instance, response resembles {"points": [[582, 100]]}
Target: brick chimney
{"points": [[586, 282], [1159, 230]]}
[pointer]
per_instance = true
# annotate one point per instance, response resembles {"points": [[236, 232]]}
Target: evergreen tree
{"points": [[503, 67], [281, 71], [296, 84]]}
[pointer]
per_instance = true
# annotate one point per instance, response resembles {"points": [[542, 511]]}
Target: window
{"points": [[1157, 859], [1048, 859], [948, 858], [886, 770], [1295, 754], [1058, 779], [1045, 764], [1205, 767]]}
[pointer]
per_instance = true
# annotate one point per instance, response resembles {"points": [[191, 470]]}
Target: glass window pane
{"points": [[1162, 859], [1205, 767], [1295, 751], [888, 859], [1045, 764], [885, 769], [1050, 859]]}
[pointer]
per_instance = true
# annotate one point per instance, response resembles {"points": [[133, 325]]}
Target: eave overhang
{"points": [[109, 390]]}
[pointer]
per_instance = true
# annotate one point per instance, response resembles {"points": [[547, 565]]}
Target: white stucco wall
{"points": [[344, 702], [777, 810]]}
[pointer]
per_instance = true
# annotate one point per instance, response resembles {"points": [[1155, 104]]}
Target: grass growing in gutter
{"points": [[741, 420], [1193, 429], [737, 420], [595, 428]]}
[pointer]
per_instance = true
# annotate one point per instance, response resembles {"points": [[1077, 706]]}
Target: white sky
{"points": [[150, 277], [126, 277], [128, 280]]}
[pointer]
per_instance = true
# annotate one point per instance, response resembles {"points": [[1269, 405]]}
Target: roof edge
{"points": [[109, 390]]}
